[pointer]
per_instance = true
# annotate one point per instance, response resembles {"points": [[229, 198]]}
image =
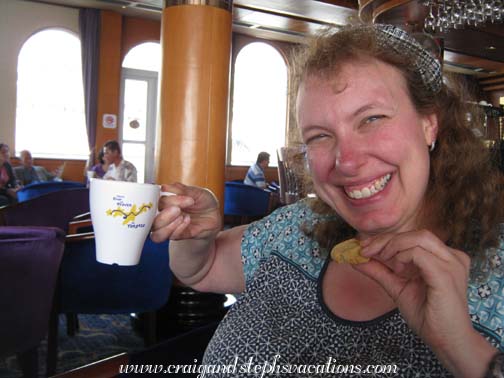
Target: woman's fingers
{"points": [[385, 247], [172, 227], [182, 199]]}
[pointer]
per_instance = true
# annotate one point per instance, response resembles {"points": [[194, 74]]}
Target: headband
{"points": [[429, 68]]}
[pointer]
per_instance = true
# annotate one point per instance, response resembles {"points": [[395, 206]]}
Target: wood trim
{"points": [[106, 368], [75, 226], [137, 31], [109, 75], [238, 172], [370, 10], [491, 80], [378, 11], [79, 237], [365, 10], [492, 88]]}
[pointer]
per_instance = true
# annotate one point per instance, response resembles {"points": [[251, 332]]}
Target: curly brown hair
{"points": [[464, 194]]}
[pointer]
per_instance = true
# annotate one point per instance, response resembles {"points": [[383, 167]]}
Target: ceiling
{"points": [[467, 51]]}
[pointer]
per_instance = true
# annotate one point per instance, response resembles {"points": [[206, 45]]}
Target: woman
{"points": [[102, 167], [8, 186], [394, 165]]}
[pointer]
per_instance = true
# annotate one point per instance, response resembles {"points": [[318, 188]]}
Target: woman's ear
{"points": [[430, 128]]}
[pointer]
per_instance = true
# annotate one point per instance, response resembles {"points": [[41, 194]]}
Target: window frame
{"points": [[239, 42]]}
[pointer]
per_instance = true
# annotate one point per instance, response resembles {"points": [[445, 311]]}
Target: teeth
{"points": [[372, 189]]}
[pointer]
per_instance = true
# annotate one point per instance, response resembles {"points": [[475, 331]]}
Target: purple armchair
{"points": [[55, 209], [29, 262]]}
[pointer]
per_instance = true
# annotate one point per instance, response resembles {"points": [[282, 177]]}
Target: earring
{"points": [[432, 146]]}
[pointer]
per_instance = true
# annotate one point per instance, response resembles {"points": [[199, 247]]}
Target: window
{"points": [[138, 107], [146, 56], [50, 118], [259, 103]]}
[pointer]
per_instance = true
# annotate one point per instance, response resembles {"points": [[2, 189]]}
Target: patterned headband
{"points": [[429, 68]]}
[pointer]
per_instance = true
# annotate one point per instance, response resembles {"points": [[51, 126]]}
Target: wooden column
{"points": [[191, 135]]}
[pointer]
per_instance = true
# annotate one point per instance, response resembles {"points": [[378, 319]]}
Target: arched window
{"points": [[138, 107], [50, 118], [259, 103], [146, 56]]}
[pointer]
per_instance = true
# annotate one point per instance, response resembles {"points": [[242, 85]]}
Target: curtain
{"points": [[89, 26]]}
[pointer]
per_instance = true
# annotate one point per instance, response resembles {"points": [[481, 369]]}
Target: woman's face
{"points": [[367, 146]]}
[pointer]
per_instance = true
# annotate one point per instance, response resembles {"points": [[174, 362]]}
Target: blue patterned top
{"points": [[282, 317], [486, 295]]}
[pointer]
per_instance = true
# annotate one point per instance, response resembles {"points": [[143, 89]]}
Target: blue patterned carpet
{"points": [[99, 336]]}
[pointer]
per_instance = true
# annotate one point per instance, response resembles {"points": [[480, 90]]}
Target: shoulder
{"points": [[127, 164], [282, 233]]}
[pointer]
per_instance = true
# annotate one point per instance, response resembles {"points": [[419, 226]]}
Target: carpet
{"points": [[99, 336]]}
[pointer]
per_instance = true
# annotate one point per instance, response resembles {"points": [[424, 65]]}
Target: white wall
{"points": [[18, 21]]}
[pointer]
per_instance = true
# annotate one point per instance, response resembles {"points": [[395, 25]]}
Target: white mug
{"points": [[122, 214]]}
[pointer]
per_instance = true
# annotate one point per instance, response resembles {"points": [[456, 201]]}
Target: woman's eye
{"points": [[373, 118], [315, 138]]}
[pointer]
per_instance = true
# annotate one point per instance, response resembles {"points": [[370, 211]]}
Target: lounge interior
{"points": [[473, 52]]}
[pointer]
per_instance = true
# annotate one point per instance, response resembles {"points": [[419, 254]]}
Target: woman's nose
{"points": [[349, 159]]}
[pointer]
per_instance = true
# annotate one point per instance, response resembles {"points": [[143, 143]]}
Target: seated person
{"points": [[101, 168], [8, 185], [387, 145], [28, 173], [119, 169], [255, 174]]}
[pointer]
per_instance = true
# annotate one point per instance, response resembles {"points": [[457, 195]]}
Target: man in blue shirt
{"points": [[255, 174]]}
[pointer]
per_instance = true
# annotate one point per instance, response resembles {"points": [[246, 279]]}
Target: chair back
{"points": [[53, 209], [29, 262], [89, 287], [39, 188], [291, 173], [245, 200]]}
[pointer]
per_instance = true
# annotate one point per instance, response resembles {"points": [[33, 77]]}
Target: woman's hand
{"points": [[193, 213], [428, 282]]}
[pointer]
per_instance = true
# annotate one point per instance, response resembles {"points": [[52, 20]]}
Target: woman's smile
{"points": [[369, 190]]}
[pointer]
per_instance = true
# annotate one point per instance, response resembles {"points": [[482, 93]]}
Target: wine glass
{"points": [[430, 22]]}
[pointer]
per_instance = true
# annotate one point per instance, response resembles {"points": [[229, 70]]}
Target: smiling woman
{"points": [[394, 166], [50, 97]]}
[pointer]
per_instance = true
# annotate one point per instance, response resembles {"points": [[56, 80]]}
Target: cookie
{"points": [[348, 252]]}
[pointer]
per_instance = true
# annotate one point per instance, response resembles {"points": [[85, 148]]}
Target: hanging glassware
{"points": [[455, 14]]}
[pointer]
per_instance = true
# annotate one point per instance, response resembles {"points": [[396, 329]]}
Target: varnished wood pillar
{"points": [[191, 137]]}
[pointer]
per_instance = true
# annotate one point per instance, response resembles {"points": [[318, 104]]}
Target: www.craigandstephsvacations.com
{"points": [[260, 369]]}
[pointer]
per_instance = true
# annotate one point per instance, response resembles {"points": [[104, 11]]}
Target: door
{"points": [[138, 120]]}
